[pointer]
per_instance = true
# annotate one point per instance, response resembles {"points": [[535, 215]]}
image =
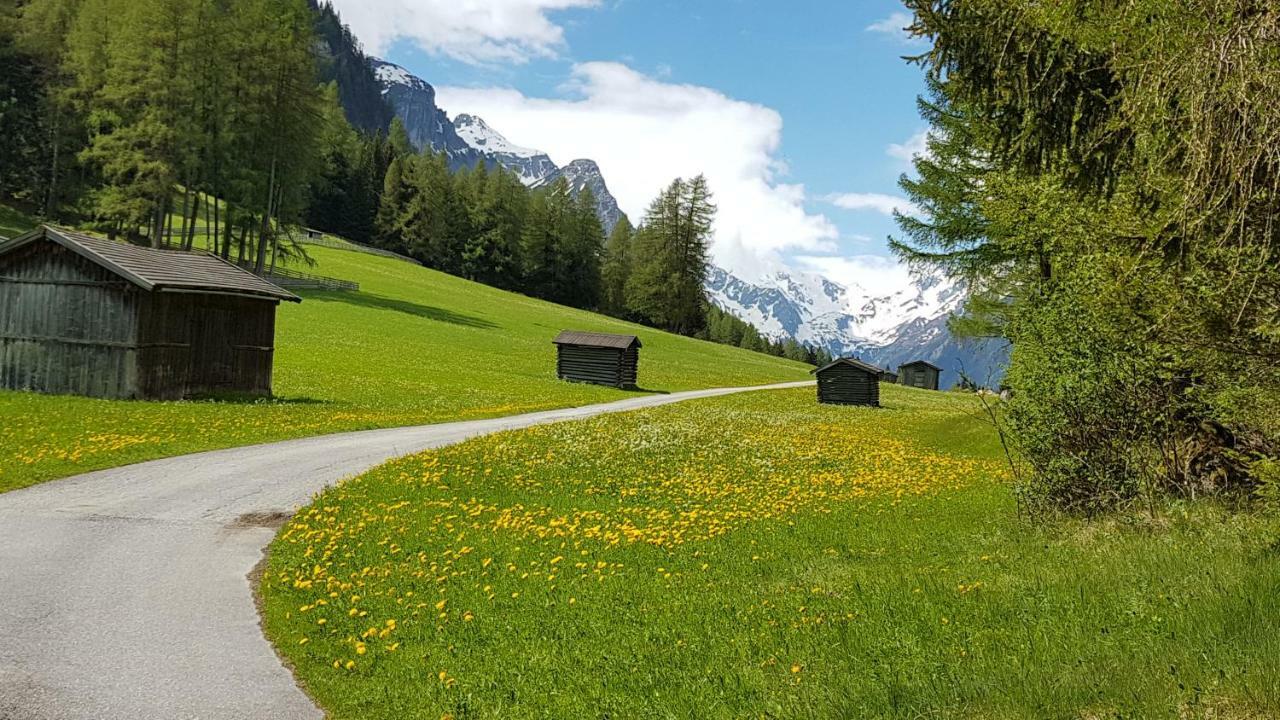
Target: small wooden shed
{"points": [[87, 316], [848, 381], [889, 376], [599, 358], [920, 374]]}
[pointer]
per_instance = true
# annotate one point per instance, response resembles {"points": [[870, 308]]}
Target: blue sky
{"points": [[795, 109]]}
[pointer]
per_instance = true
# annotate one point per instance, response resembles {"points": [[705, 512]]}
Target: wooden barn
{"points": [[87, 316], [848, 381], [598, 358], [919, 374], [889, 376]]}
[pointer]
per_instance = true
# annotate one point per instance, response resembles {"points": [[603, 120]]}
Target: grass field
{"points": [[413, 346], [762, 556]]}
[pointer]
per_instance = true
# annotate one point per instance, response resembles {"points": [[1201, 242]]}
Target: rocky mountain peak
{"points": [[468, 139]]}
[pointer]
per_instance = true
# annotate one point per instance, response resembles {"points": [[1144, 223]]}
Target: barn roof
{"points": [[848, 361], [158, 270], [594, 339], [920, 362]]}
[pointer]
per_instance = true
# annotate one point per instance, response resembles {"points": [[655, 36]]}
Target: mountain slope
{"points": [[468, 139], [886, 329], [413, 346], [428, 126], [531, 166], [343, 61], [582, 174]]}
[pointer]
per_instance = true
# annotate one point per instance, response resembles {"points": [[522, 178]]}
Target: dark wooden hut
{"points": [[919, 374], [87, 316], [848, 381], [889, 376], [598, 358]]}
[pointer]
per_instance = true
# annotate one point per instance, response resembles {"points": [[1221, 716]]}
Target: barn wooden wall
{"points": [[66, 325], [205, 344], [848, 385], [919, 376], [601, 366]]}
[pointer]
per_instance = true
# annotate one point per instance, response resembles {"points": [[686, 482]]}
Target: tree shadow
{"points": [[646, 391], [378, 302]]}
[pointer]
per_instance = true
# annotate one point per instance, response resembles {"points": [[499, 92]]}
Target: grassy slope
{"points": [[13, 222], [761, 556], [413, 346]]}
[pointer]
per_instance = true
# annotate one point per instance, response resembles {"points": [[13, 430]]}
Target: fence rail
{"points": [[298, 280], [355, 247]]}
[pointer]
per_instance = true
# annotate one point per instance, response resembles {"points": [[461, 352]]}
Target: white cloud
{"points": [[895, 26], [877, 202], [645, 132], [917, 144], [473, 31], [876, 274]]}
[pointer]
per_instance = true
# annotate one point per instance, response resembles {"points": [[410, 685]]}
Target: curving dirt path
{"points": [[124, 592]]}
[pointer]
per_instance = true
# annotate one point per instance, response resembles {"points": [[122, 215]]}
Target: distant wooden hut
{"points": [[920, 374], [598, 358], [848, 381], [87, 316], [889, 376]]}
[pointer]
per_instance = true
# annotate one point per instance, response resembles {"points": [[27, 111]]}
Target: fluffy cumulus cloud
{"points": [[474, 31], [644, 132], [876, 202]]}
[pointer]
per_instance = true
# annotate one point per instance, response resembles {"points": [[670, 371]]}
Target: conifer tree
{"points": [[616, 268]]}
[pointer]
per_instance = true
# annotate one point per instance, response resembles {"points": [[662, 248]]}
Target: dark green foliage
{"points": [[669, 268], [616, 268], [484, 225], [1105, 176], [23, 128], [346, 64]]}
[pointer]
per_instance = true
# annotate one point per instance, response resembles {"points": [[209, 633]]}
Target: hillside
{"points": [[413, 346]]}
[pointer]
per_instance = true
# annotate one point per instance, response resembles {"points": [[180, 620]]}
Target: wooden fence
{"points": [[298, 280], [354, 247]]}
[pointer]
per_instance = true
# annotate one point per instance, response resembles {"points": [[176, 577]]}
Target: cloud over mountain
{"points": [[473, 31], [646, 132]]}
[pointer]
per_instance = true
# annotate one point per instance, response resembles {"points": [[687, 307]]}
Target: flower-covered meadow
{"points": [[412, 347], [749, 556]]}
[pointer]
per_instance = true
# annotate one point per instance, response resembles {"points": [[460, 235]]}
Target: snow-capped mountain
{"points": [[428, 126], [531, 166], [887, 329], [467, 140], [586, 174]]}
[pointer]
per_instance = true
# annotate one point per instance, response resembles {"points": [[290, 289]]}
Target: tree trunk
{"points": [[265, 232], [51, 192]]}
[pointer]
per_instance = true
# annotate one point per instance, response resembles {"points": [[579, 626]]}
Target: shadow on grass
{"points": [[378, 302], [248, 399]]}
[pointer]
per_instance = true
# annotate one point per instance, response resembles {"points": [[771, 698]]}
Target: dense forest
{"points": [[1106, 176], [172, 122]]}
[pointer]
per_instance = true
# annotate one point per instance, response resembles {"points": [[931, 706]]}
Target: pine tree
{"points": [[668, 277], [616, 268]]}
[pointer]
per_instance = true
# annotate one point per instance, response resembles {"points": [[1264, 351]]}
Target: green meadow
{"points": [[414, 346], [762, 556]]}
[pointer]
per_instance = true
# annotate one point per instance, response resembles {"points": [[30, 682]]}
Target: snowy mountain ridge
{"points": [[884, 328]]}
